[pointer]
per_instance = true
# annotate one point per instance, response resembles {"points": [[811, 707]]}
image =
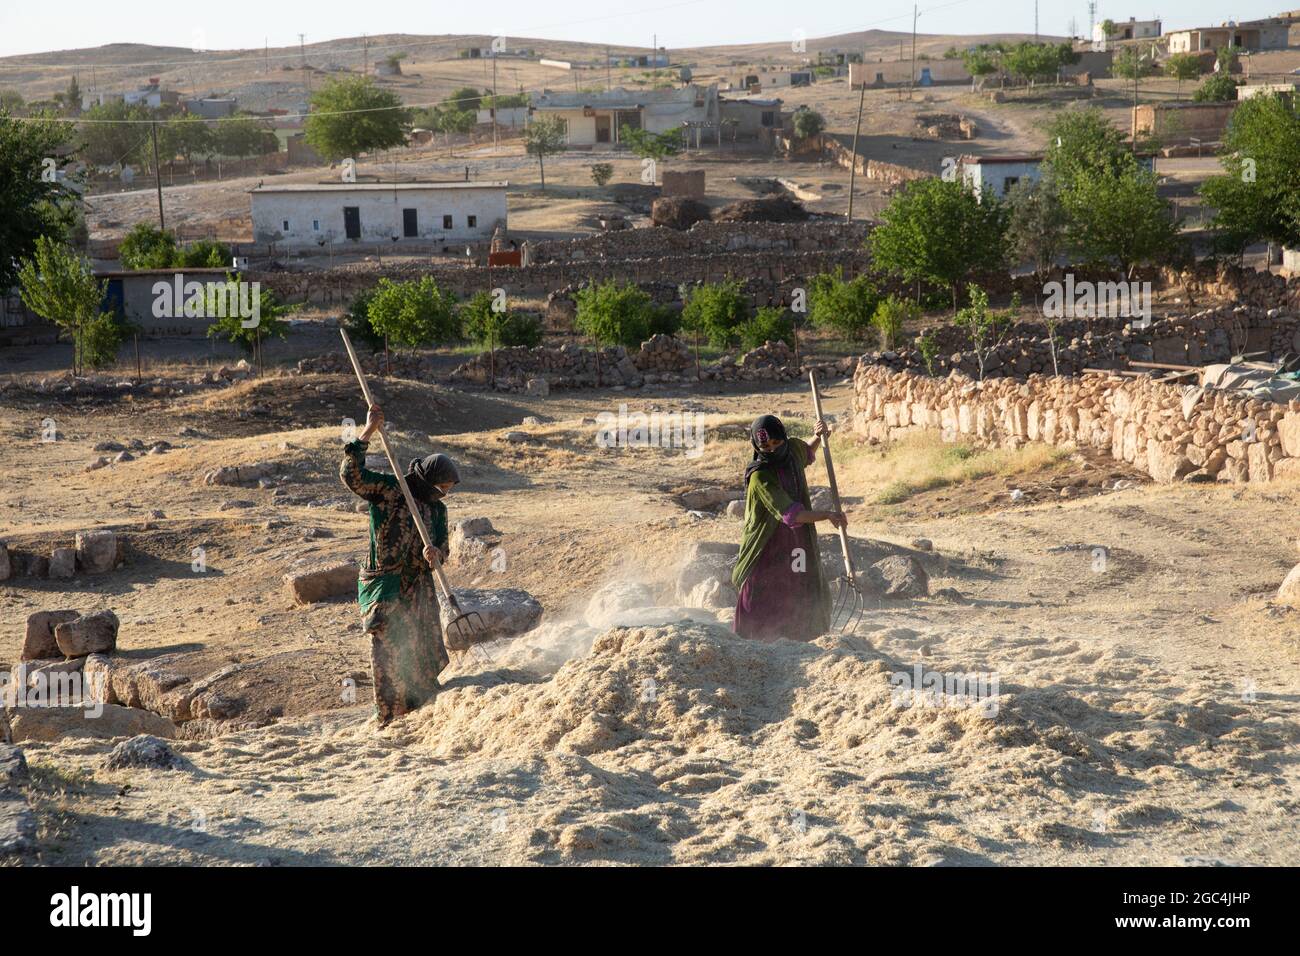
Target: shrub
{"points": [[769, 324], [614, 313], [842, 306], [413, 313], [145, 247], [664, 320], [497, 329], [716, 311], [204, 254], [602, 173], [356, 321], [889, 318]]}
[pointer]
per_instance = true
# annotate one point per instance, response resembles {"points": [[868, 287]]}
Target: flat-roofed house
{"points": [[596, 118], [1270, 34], [305, 215]]}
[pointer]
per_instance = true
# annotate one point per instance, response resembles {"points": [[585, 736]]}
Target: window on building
{"points": [[471, 221], [284, 226], [1008, 182], [769, 118], [315, 225], [410, 223], [446, 222]]}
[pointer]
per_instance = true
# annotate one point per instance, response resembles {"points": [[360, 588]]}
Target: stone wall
{"points": [[1171, 433]]}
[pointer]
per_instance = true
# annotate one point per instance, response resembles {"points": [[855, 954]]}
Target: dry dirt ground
{"points": [[1148, 708]]}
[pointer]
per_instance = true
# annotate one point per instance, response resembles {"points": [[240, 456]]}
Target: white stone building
{"points": [[994, 175], [305, 215]]}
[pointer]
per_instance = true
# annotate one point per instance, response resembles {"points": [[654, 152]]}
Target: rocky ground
{"points": [[1147, 707]]}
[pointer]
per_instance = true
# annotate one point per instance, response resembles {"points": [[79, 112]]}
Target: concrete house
{"points": [[995, 175], [307, 215], [748, 116], [1132, 30], [597, 118], [1268, 34]]}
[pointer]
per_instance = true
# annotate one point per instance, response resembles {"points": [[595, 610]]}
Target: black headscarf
{"points": [[767, 428], [423, 474]]}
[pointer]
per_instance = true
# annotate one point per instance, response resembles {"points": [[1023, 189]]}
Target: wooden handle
{"points": [[830, 475], [401, 479]]}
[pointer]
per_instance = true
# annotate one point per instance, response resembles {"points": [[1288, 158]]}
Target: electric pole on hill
{"points": [[853, 156], [302, 55], [912, 81], [157, 177], [494, 99]]}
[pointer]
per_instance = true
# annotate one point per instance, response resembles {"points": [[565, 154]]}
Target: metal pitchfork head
{"points": [[847, 605], [465, 628]]}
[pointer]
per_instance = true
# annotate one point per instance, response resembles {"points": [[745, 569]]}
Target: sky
{"points": [[31, 27]]}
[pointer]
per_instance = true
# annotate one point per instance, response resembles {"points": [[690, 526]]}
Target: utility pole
{"points": [[157, 177], [853, 158], [365, 54], [912, 81], [1035, 21], [302, 54], [494, 100], [609, 75]]}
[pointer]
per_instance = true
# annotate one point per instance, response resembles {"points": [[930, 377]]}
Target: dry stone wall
{"points": [[1172, 433]]}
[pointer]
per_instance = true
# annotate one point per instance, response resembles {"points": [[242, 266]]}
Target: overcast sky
{"points": [[27, 26]]}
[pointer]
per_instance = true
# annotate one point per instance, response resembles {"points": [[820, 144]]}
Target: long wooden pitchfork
{"points": [[847, 602], [463, 626]]}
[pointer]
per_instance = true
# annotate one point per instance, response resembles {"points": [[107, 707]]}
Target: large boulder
{"points": [[900, 576], [63, 563], [39, 642], [502, 612], [471, 540], [110, 720], [322, 583], [678, 212], [89, 634], [704, 499], [239, 474], [1289, 592], [704, 579], [96, 551], [152, 684], [144, 751]]}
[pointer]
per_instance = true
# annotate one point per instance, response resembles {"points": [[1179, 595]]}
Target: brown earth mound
{"points": [[678, 212], [767, 209]]}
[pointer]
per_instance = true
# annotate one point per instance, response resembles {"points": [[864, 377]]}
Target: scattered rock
{"points": [[39, 642], [123, 456], [704, 579], [1288, 593], [505, 612], [144, 751], [323, 583], [97, 551], [239, 474], [736, 509], [88, 634], [703, 499], [472, 539], [55, 723], [922, 544], [97, 464], [516, 437], [537, 387], [819, 498], [109, 446], [63, 563], [901, 576]]}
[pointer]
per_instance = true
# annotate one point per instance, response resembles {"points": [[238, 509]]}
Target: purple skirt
{"points": [[777, 601]]}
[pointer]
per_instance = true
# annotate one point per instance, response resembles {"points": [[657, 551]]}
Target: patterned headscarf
{"points": [[767, 428]]}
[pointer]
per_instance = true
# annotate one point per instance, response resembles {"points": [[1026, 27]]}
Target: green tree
{"points": [[453, 123], [186, 136], [1130, 63], [768, 324], [244, 136], [601, 173], [843, 306], [1183, 67], [987, 328], [1034, 61], [500, 327], [270, 324], [463, 99], [147, 247], [11, 101], [545, 137], [1217, 88], [891, 315], [808, 123], [413, 313], [939, 232], [646, 145], [613, 313], [1258, 196], [117, 135], [32, 201], [1036, 227], [354, 115], [717, 311], [203, 254], [73, 96], [356, 321], [1085, 141], [58, 285], [1119, 220], [981, 61]]}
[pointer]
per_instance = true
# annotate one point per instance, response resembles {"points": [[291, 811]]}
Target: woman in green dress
{"points": [[778, 573], [399, 608]]}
